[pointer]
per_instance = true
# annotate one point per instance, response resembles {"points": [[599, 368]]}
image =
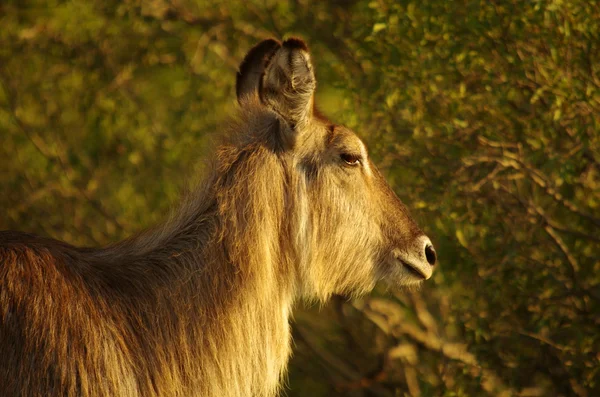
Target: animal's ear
{"points": [[253, 67], [288, 83]]}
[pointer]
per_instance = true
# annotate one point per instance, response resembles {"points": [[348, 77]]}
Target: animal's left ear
{"points": [[252, 68]]}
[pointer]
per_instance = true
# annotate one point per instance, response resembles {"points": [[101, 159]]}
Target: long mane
{"points": [[168, 310]]}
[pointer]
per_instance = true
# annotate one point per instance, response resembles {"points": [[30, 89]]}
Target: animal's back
{"points": [[56, 337]]}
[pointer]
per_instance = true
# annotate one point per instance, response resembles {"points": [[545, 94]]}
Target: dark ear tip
{"points": [[253, 65], [295, 43], [261, 50], [266, 45]]}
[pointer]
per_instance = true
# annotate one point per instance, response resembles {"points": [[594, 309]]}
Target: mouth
{"points": [[413, 270]]}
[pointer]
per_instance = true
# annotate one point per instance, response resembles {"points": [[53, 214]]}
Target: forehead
{"points": [[343, 138]]}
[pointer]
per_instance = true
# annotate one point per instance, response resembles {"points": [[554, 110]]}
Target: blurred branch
{"points": [[565, 250], [511, 160], [178, 11], [453, 351], [543, 340], [356, 380], [489, 177], [423, 314], [45, 151]]}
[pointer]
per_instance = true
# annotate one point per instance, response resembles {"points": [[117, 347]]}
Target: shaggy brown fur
{"points": [[199, 306]]}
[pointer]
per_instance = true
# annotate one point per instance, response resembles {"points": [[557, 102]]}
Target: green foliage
{"points": [[483, 115]]}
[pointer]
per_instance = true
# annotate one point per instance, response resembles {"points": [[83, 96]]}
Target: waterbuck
{"points": [[292, 208]]}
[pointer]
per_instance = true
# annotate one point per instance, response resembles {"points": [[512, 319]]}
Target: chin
{"points": [[411, 286], [399, 279]]}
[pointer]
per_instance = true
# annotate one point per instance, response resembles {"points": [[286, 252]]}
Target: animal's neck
{"points": [[218, 318]]}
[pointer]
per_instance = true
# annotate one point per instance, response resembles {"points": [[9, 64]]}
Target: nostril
{"points": [[430, 254]]}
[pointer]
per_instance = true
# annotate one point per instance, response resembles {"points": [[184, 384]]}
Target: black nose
{"points": [[430, 254]]}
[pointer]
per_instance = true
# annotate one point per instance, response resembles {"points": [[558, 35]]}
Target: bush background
{"points": [[482, 114]]}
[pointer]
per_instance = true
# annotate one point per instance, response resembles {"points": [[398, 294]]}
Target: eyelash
{"points": [[350, 159]]}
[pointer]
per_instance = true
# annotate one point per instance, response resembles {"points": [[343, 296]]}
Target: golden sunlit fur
{"points": [[200, 305]]}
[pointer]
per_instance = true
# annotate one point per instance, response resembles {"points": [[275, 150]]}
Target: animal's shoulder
{"points": [[23, 252]]}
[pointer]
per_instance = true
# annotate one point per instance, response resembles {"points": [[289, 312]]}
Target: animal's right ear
{"points": [[288, 84], [253, 67]]}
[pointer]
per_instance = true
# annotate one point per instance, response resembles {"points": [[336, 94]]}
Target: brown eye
{"points": [[350, 159]]}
